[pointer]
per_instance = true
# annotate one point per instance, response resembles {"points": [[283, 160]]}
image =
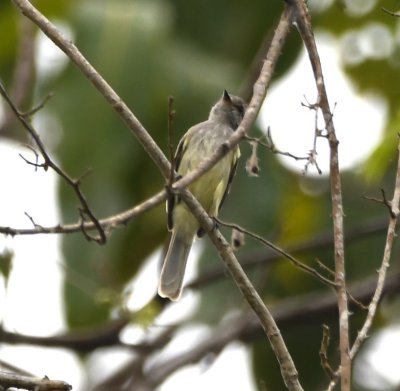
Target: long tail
{"points": [[173, 270]]}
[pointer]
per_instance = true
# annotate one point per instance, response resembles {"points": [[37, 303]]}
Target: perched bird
{"points": [[200, 142]]}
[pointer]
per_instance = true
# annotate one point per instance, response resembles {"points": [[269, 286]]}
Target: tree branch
{"points": [[391, 234], [303, 22], [296, 262], [85, 210], [107, 224], [387, 253], [99, 83], [84, 341], [8, 380], [126, 114], [288, 369], [321, 241]]}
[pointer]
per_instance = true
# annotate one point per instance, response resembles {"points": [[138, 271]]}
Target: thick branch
{"points": [[125, 113], [8, 380], [123, 110], [288, 369]]}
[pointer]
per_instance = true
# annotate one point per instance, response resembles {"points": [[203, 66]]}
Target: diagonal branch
{"points": [[391, 234], [296, 262], [288, 369], [99, 83], [323, 240], [130, 119]]}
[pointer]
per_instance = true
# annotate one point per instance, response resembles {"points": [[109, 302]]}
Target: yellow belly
{"points": [[208, 190]]}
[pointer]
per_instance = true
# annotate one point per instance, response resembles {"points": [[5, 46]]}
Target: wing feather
{"points": [[172, 200], [231, 176]]}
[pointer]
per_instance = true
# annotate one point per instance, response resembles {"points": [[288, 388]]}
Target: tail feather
{"points": [[173, 270]]}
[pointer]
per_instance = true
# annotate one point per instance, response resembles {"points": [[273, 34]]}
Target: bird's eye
{"points": [[240, 109]]}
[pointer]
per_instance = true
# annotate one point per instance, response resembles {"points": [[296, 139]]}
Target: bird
{"points": [[199, 143]]}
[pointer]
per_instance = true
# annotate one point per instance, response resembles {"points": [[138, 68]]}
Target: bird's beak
{"points": [[225, 97]]}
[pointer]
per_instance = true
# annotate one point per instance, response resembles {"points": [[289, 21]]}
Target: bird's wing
{"points": [[232, 173], [172, 200]]}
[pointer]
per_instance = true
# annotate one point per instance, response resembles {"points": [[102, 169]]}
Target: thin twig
{"points": [[390, 12], [36, 163], [312, 154], [48, 162], [38, 107], [269, 144], [383, 201], [107, 224], [280, 251], [323, 352], [321, 241], [37, 226], [391, 234], [5, 366]]}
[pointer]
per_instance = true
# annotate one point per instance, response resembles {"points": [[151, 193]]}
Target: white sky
{"points": [[292, 126]]}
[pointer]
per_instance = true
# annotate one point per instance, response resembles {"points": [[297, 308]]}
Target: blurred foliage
{"points": [[150, 49], [6, 264], [9, 30]]}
